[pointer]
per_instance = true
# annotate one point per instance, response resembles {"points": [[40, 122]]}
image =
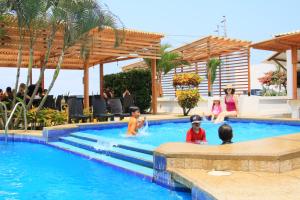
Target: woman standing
{"points": [[231, 103]]}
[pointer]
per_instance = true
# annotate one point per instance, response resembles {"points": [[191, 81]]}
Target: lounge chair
{"points": [[116, 108], [100, 111], [50, 102], [127, 103], [76, 110], [58, 102]]}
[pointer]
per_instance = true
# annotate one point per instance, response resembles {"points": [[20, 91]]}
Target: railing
{"points": [[10, 117]]}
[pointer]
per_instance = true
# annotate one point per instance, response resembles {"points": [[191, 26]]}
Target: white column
{"points": [[289, 73]]}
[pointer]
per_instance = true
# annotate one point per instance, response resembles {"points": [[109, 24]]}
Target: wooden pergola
{"points": [[135, 44], [283, 43], [233, 53]]}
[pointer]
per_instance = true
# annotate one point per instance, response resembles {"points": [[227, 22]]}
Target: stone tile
{"points": [[236, 165], [175, 163], [285, 165], [193, 163], [296, 163], [264, 166], [243, 185]]}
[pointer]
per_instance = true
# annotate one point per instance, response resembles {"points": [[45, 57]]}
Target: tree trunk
{"points": [[55, 75], [159, 86], [20, 52], [31, 51], [44, 64]]}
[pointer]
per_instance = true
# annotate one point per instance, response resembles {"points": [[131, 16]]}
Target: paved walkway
{"points": [[244, 185]]}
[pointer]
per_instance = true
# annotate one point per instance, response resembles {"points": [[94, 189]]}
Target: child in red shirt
{"points": [[196, 134]]}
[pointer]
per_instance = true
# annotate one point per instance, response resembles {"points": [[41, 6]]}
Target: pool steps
{"points": [[134, 157], [145, 160], [128, 166], [143, 148]]}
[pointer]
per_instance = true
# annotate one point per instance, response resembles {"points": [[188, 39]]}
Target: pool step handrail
{"points": [[5, 111], [10, 117]]}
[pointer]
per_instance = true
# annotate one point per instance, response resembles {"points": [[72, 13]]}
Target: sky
{"points": [[182, 22]]}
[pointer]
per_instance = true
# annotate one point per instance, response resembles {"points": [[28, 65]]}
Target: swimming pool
{"points": [[158, 134], [35, 171]]}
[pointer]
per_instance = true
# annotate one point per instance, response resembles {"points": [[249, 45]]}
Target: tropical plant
{"points": [[168, 61], [187, 99], [186, 79], [46, 117], [278, 78], [211, 71], [187, 93], [73, 19], [137, 81]]}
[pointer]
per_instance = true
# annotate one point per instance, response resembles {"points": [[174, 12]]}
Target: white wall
{"points": [[253, 106]]}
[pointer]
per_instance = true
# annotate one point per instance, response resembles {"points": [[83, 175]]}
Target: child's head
{"points": [[196, 122], [134, 111], [216, 100], [225, 133]]}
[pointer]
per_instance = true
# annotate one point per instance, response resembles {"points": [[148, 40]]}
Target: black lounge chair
{"points": [[76, 110], [50, 102], [58, 102], [127, 103], [116, 108], [100, 111]]}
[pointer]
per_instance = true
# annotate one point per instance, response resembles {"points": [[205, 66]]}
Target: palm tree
{"points": [[211, 70], [77, 19], [74, 18], [167, 62]]}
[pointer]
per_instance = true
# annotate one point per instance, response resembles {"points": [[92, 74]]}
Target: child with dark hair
{"points": [[196, 134], [225, 134], [134, 124]]}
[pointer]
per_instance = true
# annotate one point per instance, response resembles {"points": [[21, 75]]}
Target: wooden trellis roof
{"points": [[136, 44], [210, 46], [281, 42]]}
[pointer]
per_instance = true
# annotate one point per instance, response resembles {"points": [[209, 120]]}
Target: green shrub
{"points": [[187, 93], [187, 99], [138, 82], [46, 117]]}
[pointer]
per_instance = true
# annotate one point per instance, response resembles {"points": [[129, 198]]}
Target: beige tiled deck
{"points": [[243, 185], [36, 133]]}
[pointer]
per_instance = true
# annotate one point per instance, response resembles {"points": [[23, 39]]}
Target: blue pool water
{"points": [[34, 171], [176, 132]]}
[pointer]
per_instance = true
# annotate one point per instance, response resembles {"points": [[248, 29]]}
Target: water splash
{"points": [[144, 130], [104, 145]]}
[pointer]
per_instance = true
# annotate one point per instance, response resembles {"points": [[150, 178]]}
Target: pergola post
{"points": [[86, 85], [101, 79], [154, 91], [249, 73], [294, 63], [208, 73]]}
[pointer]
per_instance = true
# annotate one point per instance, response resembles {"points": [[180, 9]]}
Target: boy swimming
{"points": [[134, 124]]}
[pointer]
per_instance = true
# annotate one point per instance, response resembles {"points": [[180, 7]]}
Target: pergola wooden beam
{"points": [[212, 46], [281, 43], [135, 44]]}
